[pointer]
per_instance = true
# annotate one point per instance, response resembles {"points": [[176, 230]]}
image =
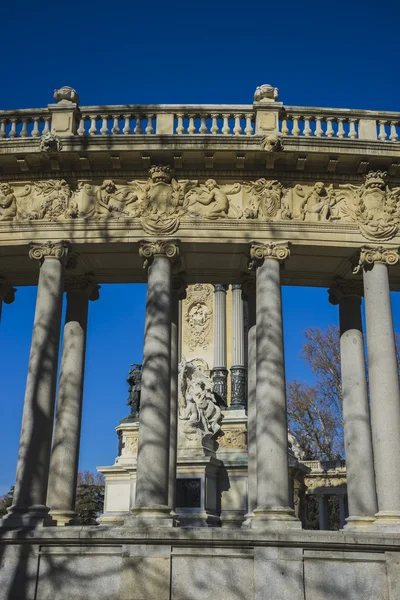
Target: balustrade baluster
{"points": [[104, 125], [382, 133], [319, 132], [81, 128], [284, 127], [24, 128], [225, 127], [138, 126], [191, 127], [2, 128], [179, 128], [214, 125], [46, 127], [249, 126], [35, 129], [93, 125], [340, 132], [203, 126], [127, 126], [307, 129], [115, 128], [296, 128], [329, 129], [393, 133], [237, 130], [352, 130], [13, 130], [149, 129]]}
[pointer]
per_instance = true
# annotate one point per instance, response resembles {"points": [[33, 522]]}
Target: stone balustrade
{"points": [[26, 123], [324, 465]]}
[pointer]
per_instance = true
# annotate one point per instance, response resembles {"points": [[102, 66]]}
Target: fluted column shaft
{"points": [[273, 494], [152, 480], [383, 382], [238, 370], [219, 368], [29, 502], [64, 461], [251, 400], [357, 426]]}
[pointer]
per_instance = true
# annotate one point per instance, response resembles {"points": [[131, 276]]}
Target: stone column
{"points": [[342, 511], [273, 496], [238, 370], [64, 460], [29, 502], [152, 480], [178, 294], [220, 372], [7, 293], [357, 427], [250, 291], [323, 512], [383, 382]]}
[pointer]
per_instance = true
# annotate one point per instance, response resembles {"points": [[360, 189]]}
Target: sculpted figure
{"points": [[114, 202], [44, 200], [211, 195], [83, 202], [135, 385], [198, 412], [317, 204], [8, 204], [49, 142], [266, 200]]}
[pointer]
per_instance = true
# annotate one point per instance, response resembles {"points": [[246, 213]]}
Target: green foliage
{"points": [[89, 497], [6, 501]]}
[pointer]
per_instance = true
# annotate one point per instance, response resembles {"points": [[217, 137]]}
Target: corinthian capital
{"points": [[7, 292], [149, 250], [369, 255], [259, 252], [86, 284], [40, 251], [342, 288]]}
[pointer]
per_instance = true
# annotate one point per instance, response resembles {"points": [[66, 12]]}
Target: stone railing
{"points": [[24, 123], [324, 465]]}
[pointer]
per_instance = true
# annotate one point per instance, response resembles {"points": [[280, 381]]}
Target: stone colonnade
{"points": [[46, 480]]}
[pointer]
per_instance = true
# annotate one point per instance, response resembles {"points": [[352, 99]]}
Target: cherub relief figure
{"points": [[114, 202], [8, 204], [210, 194], [318, 202]]}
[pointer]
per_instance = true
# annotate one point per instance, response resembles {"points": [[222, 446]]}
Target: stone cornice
{"points": [[150, 249], [369, 255], [40, 251], [276, 251], [86, 284], [7, 292], [343, 288]]}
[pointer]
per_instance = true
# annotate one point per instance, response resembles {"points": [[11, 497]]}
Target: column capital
{"points": [[343, 288], [179, 286], [86, 284], [237, 286], [367, 256], [42, 250], [259, 252], [7, 292], [150, 249], [220, 287]]}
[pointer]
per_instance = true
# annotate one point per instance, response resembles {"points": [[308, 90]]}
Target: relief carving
{"points": [[266, 200], [8, 203], [198, 316], [49, 142], [316, 204], [43, 199], [210, 194], [233, 439]]}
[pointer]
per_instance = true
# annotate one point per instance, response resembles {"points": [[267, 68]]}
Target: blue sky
{"points": [[344, 55]]}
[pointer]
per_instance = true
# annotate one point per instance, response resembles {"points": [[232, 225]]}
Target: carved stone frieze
{"points": [[260, 252], [234, 438], [43, 200], [40, 251], [148, 250], [198, 313], [370, 255], [266, 200], [8, 203], [215, 198], [316, 203]]}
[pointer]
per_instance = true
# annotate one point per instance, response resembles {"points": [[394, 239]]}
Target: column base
{"points": [[36, 515], [279, 517], [358, 523], [61, 518], [387, 521], [151, 516], [199, 519]]}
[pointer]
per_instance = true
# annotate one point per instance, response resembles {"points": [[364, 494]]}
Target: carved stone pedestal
{"points": [[197, 498]]}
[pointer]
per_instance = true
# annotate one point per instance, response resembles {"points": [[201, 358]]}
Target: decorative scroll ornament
{"points": [[148, 250], [373, 206], [7, 292], [40, 251], [8, 203], [266, 200], [368, 256], [43, 199], [198, 316], [86, 284], [342, 288], [199, 415], [233, 439], [259, 252], [210, 194], [49, 142]]}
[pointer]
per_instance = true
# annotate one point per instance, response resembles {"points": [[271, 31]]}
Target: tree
{"points": [[315, 413], [6, 501], [89, 497]]}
